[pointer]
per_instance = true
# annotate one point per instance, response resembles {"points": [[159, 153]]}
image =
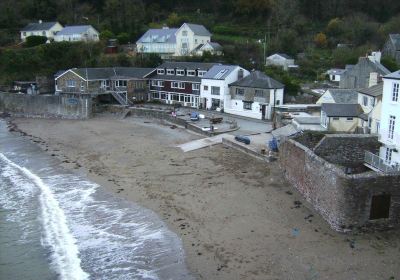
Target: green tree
{"points": [[173, 20], [33, 41], [390, 64], [105, 35], [123, 38], [321, 40]]}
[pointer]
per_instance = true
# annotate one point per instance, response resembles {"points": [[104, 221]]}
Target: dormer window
{"points": [[180, 72], [170, 72], [191, 73], [201, 73], [160, 71]]}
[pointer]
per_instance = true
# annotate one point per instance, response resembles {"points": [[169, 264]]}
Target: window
{"points": [[180, 72], [163, 96], [349, 119], [205, 87], [160, 71], [181, 97], [247, 105], [278, 102], [179, 85], [365, 101], [392, 123], [196, 86], [187, 98], [82, 85], [239, 91], [380, 207], [155, 95], [259, 93], [388, 156], [170, 72], [195, 41], [335, 119], [324, 119], [71, 83], [395, 93], [184, 33], [333, 77], [191, 73], [160, 83], [215, 90], [44, 33], [201, 73], [154, 83], [24, 33]]}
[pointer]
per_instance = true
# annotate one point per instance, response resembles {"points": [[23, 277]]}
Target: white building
{"points": [[214, 89], [40, 28], [254, 96], [390, 120], [77, 33], [280, 60], [335, 74], [174, 42]]}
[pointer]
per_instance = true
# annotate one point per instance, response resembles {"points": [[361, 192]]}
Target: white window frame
{"points": [[238, 90], [154, 83], [395, 92], [160, 83], [201, 73], [246, 107], [160, 72], [181, 85], [71, 83], [365, 100], [214, 88], [170, 72], [180, 72], [388, 155], [191, 73], [195, 86]]}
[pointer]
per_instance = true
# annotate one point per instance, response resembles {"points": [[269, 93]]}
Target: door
{"points": [[263, 111]]}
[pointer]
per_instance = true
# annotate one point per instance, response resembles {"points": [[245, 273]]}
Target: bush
{"points": [[106, 35], [123, 38], [33, 41], [320, 40]]}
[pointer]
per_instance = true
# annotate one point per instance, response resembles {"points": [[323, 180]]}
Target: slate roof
{"points": [[215, 46], [395, 38], [199, 29], [282, 55], [187, 65], [344, 96], [75, 29], [336, 71], [110, 72], [219, 72], [163, 35], [374, 91], [258, 79], [37, 26], [342, 110], [394, 75]]}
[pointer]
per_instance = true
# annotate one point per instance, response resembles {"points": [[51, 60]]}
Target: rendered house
{"points": [[189, 39], [341, 96], [77, 33], [178, 82], [254, 96], [211, 47], [392, 47], [335, 74], [215, 85], [281, 60], [125, 84], [370, 100], [341, 117], [365, 73], [160, 41], [390, 123], [40, 28]]}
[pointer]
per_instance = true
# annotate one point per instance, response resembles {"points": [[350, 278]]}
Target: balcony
{"points": [[379, 164]]}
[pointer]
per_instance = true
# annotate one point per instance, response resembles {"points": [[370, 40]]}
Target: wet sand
{"points": [[237, 217]]}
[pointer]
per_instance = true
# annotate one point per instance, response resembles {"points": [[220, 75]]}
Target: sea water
{"points": [[55, 224]]}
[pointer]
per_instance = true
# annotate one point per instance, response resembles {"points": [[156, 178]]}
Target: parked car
{"points": [[194, 116], [243, 139]]}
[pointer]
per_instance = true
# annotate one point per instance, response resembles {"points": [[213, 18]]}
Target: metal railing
{"points": [[380, 164]]}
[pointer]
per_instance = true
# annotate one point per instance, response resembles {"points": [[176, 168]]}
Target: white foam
{"points": [[57, 235]]}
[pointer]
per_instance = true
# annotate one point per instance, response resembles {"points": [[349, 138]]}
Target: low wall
{"points": [[46, 106], [344, 201]]}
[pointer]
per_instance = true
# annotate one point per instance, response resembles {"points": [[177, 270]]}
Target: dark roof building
{"points": [[373, 91], [93, 74], [342, 110], [39, 26], [258, 79]]}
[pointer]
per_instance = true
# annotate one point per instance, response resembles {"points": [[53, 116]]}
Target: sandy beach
{"points": [[237, 217]]}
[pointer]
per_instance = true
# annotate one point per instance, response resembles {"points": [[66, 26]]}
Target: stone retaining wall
{"points": [[344, 201], [46, 106]]}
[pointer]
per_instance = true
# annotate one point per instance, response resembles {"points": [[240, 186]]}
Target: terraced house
{"points": [[178, 82], [125, 84]]}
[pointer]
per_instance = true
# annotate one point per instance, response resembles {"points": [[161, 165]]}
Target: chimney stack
{"points": [[373, 79]]}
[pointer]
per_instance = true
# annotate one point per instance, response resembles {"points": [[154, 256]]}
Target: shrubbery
{"points": [[33, 41]]}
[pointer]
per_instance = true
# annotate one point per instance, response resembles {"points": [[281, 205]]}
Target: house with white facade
{"points": [[77, 33], [214, 89], [370, 100], [40, 28], [280, 60], [335, 74], [254, 96], [390, 121], [189, 39], [341, 117]]}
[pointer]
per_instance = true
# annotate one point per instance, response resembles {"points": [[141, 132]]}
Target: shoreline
{"points": [[235, 215]]}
